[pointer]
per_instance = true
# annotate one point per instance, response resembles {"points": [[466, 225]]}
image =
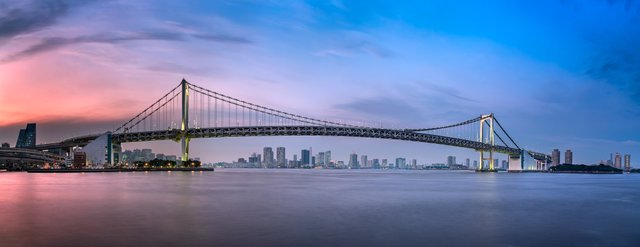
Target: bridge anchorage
{"points": [[189, 111]]}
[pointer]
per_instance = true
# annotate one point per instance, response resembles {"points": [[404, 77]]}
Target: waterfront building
{"points": [[267, 157], [467, 162], [327, 158], [364, 162], [353, 160], [475, 164], [401, 163], [568, 157], [627, 162], [618, 161], [555, 157], [384, 163], [5, 145], [280, 157], [305, 157], [27, 137], [451, 160], [414, 163], [320, 159], [375, 163]]}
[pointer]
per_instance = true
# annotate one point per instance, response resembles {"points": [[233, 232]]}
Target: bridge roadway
{"points": [[21, 155], [393, 134]]}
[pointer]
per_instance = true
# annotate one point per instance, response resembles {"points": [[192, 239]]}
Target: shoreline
{"points": [[119, 170]]}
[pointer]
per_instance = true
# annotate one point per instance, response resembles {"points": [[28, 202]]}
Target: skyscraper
{"points": [[568, 157], [353, 160], [305, 157], [363, 161], [414, 163], [627, 162], [618, 162], [376, 164], [327, 158], [281, 160], [27, 136], [467, 162], [320, 159], [401, 163], [384, 163], [555, 157], [451, 160], [267, 156]]}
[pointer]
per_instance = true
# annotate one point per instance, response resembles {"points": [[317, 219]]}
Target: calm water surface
{"points": [[253, 207]]}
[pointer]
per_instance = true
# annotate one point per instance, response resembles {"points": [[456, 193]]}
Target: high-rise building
{"points": [[305, 157], [27, 137], [475, 164], [568, 157], [364, 161], [555, 157], [376, 164], [414, 163], [353, 160], [384, 163], [618, 162], [281, 160], [320, 159], [267, 157], [467, 162], [401, 163], [627, 162], [451, 160], [5, 145], [327, 158]]}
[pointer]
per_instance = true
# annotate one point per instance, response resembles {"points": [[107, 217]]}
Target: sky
{"points": [[557, 74]]}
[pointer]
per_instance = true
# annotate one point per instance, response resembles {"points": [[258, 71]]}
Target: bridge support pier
{"points": [[184, 139], [515, 163], [487, 119]]}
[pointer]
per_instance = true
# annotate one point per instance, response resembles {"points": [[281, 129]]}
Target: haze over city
{"points": [[558, 74]]}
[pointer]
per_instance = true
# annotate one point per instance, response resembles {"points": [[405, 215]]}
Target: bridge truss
{"points": [[190, 111]]}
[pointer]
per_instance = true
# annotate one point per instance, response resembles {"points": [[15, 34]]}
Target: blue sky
{"points": [[558, 74]]}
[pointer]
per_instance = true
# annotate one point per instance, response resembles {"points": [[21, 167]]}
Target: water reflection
{"points": [[318, 208]]}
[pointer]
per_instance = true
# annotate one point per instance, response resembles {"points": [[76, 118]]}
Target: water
{"points": [[254, 207]]}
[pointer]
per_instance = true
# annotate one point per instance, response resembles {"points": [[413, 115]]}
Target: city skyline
{"points": [[568, 85]]}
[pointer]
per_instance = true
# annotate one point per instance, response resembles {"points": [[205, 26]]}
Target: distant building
{"points": [[27, 137], [5, 145], [451, 160], [627, 162], [353, 160], [555, 157], [327, 158], [281, 160], [414, 163], [375, 164], [305, 157], [79, 159], [384, 163], [364, 161], [401, 163], [467, 162], [267, 157], [618, 162], [475, 164], [320, 159], [568, 157]]}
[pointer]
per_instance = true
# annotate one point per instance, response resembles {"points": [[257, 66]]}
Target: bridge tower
{"points": [[184, 128], [490, 139]]}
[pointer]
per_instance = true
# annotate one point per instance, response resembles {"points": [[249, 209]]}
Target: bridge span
{"points": [[189, 111]]}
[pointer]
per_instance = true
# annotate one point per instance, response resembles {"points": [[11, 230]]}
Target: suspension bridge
{"points": [[189, 111]]}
